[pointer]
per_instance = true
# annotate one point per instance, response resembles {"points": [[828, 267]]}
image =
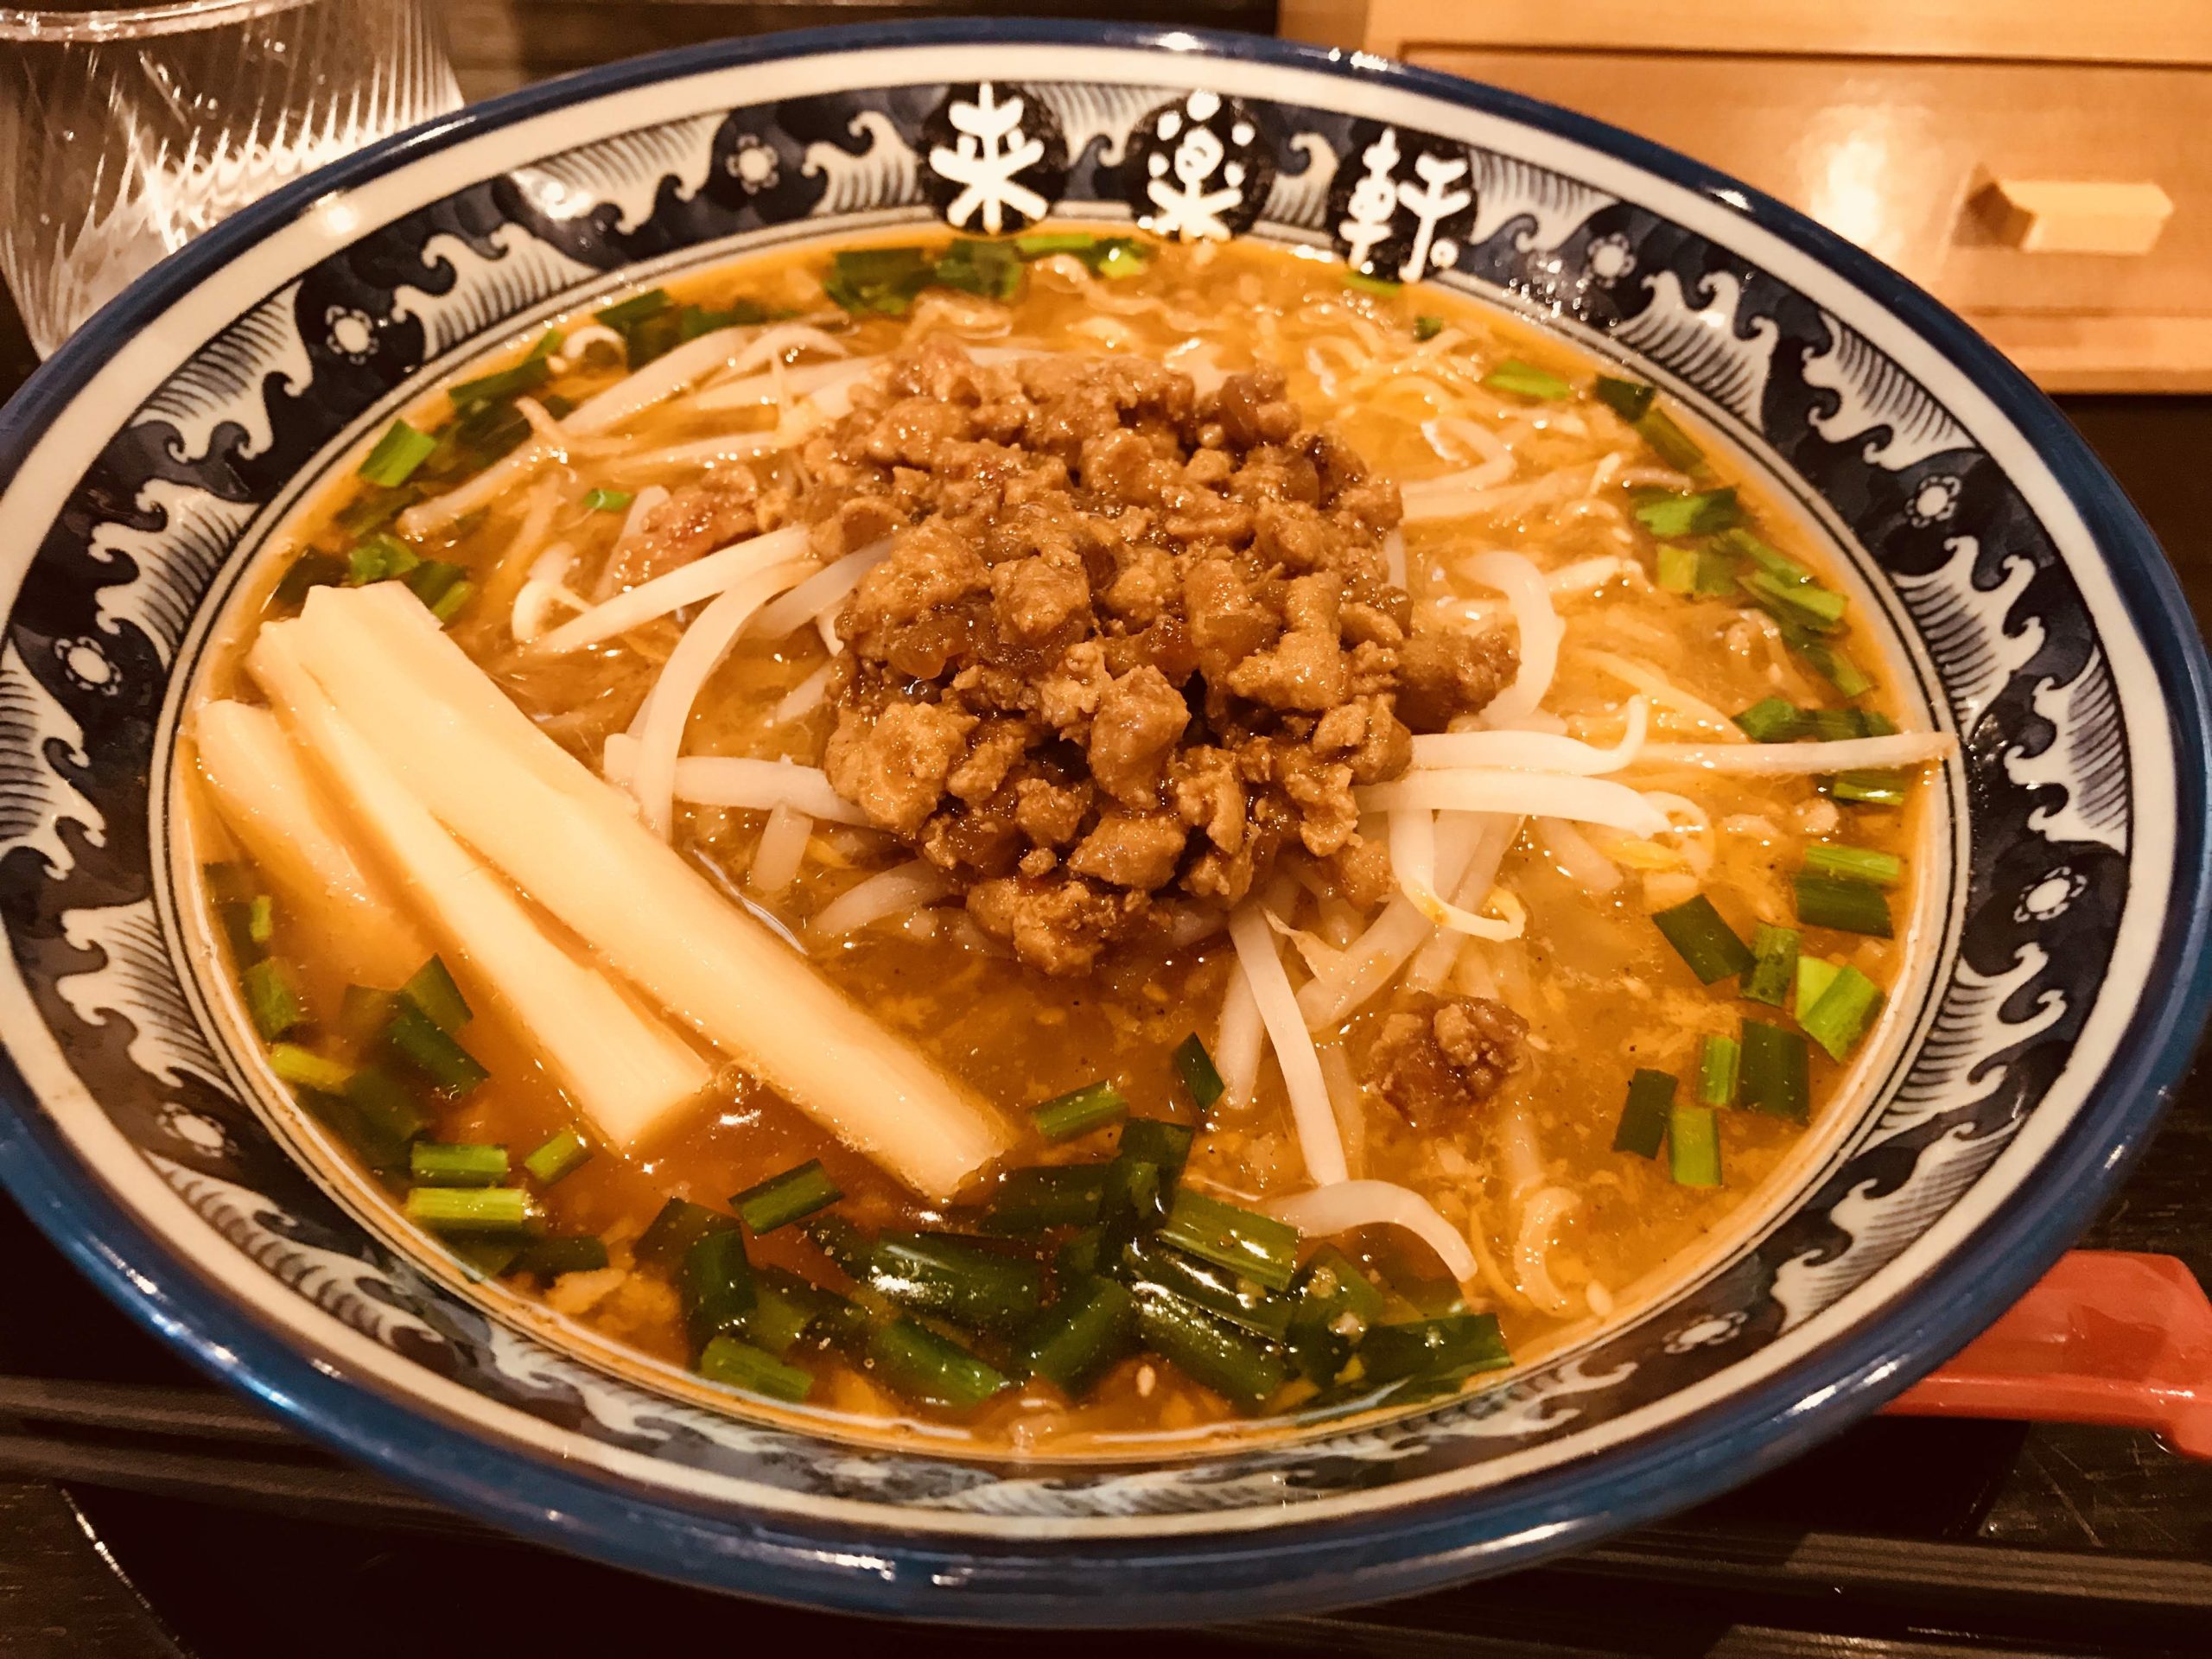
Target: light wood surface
{"points": [[2119, 31]]}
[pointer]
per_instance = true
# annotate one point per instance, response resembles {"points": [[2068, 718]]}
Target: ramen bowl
{"points": [[2022, 606]]}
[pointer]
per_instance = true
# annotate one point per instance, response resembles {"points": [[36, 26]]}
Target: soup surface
{"points": [[1067, 840]]}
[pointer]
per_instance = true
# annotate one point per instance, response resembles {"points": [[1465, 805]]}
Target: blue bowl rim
{"points": [[1293, 1568]]}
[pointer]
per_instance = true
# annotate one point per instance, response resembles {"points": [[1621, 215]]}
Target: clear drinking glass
{"points": [[126, 132]]}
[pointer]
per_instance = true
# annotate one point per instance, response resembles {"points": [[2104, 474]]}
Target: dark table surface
{"points": [[143, 1517]]}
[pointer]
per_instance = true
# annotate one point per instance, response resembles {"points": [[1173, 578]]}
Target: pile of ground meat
{"points": [[1129, 643]]}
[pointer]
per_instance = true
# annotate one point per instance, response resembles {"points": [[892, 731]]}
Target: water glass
{"points": [[126, 132]]}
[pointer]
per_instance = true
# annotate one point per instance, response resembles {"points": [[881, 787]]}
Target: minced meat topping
{"points": [[1435, 1055], [1129, 642]]}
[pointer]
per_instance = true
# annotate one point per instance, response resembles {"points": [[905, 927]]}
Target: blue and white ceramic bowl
{"points": [[2029, 612]]}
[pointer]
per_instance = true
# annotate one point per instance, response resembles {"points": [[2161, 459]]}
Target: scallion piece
{"points": [[1855, 863], [1643, 1118], [381, 1116], [739, 1365], [1156, 1142], [1235, 1364], [1629, 399], [397, 455], [989, 270], [1200, 1077], [1336, 1304], [880, 280], [439, 1163], [375, 558], [362, 1012], [1838, 1018], [916, 1361], [431, 579], [1259, 1247], [1079, 1111], [261, 919], [1420, 1355], [549, 1258], [308, 1068], [1140, 1179], [607, 500], [1739, 543], [1694, 1146], [1083, 1253], [309, 570], [842, 1243], [1840, 902], [449, 604], [1037, 244], [1667, 515], [967, 1281], [1830, 664], [528, 375], [1720, 1060], [1527, 380], [548, 343], [1703, 940], [679, 1225], [1692, 571], [1118, 257], [1807, 603], [1223, 1292], [1428, 328], [1367, 284], [414, 1037], [715, 1282], [783, 1307], [563, 1154], [488, 1255], [1814, 977], [1031, 1200], [1774, 969], [1837, 725], [1771, 720], [1868, 786], [1669, 442], [272, 997], [470, 1209], [636, 308], [784, 1199], [1080, 1337], [431, 990], [1775, 1078]]}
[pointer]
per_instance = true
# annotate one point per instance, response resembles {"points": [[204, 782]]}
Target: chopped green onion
{"points": [[381, 1116], [739, 1365], [1739, 541], [679, 1225], [1839, 1016], [1079, 1111], [1140, 1179], [413, 1036], [964, 1280], [1666, 514], [362, 1012], [237, 917], [785, 1307], [1868, 786], [1809, 605], [272, 997], [1367, 285], [437, 1163], [261, 919], [470, 1209], [1774, 1080], [1836, 725], [1830, 664], [1669, 442], [883, 281], [432, 990], [715, 1282], [842, 1243], [1775, 966], [1258, 1246], [1239, 1367], [1771, 720], [375, 558], [1626, 398], [1840, 902], [1155, 1141], [528, 375], [991, 269], [1083, 1255], [1428, 328], [563, 1154], [1118, 259], [784, 1199], [1718, 1061], [308, 1068], [433, 579], [1336, 1305], [1692, 571], [397, 455], [1039, 244], [1694, 1146], [1032, 1200], [1437, 1353], [1080, 1337], [549, 1258], [309, 570], [1703, 940], [548, 343], [1643, 1118], [486, 1255], [1814, 977], [376, 508], [607, 500], [1223, 1292], [1200, 1076], [1856, 863], [935, 1369], [1527, 380], [449, 603], [636, 308]]}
